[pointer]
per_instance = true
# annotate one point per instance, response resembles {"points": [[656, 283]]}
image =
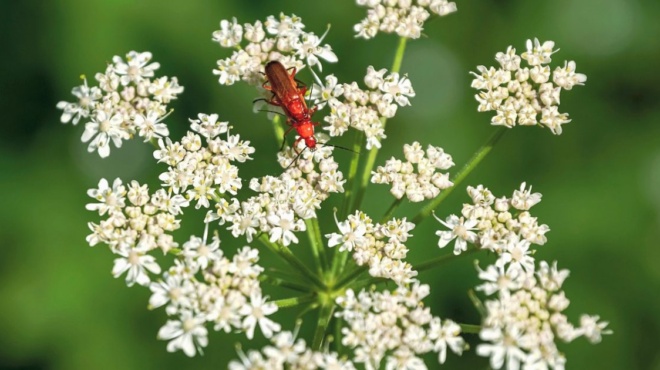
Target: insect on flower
{"points": [[289, 94]]}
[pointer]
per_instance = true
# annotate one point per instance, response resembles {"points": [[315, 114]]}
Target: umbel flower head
{"points": [[128, 101], [405, 18], [519, 94], [422, 182], [360, 280]]}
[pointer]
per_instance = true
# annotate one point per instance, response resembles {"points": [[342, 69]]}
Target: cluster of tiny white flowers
{"points": [[281, 39], [395, 326], [204, 286], [128, 101], [418, 185], [399, 16], [523, 315], [525, 318], [288, 352], [518, 94], [200, 172], [133, 230], [328, 179], [364, 109], [489, 223], [379, 246], [283, 202]]}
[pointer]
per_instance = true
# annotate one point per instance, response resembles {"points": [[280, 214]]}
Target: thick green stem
{"points": [[295, 301], [286, 254], [352, 173], [477, 157], [283, 283], [325, 314], [338, 262], [371, 159], [390, 211], [398, 56], [477, 303], [350, 277], [314, 234], [470, 329]]}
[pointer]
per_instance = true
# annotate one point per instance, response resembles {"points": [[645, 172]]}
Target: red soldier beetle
{"points": [[289, 94]]}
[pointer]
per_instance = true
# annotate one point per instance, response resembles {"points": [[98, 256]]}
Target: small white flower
{"points": [[283, 225], [174, 290], [309, 48], [446, 336], [351, 234], [150, 126], [137, 263], [104, 126], [505, 347], [255, 312], [86, 99], [136, 68], [592, 329], [538, 53], [230, 33], [208, 126], [111, 199], [460, 229], [187, 334]]}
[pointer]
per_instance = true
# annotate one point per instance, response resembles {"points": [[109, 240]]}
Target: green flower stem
{"points": [[338, 324], [314, 234], [390, 211], [477, 157], [295, 301], [348, 278], [325, 314], [352, 172], [371, 159], [477, 303], [338, 262], [283, 283], [398, 56], [444, 259], [286, 254], [470, 329]]}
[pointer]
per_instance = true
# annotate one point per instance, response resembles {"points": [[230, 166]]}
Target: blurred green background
{"points": [[60, 307]]}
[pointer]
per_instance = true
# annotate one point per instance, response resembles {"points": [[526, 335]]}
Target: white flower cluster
{"points": [[285, 201], [395, 326], [133, 230], [363, 109], [524, 320], [288, 352], [328, 179], [203, 173], [204, 286], [489, 224], [128, 101], [399, 16], [280, 39], [518, 94], [378, 246], [424, 183]]}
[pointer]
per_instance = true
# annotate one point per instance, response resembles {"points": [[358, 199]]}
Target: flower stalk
{"points": [[471, 164]]}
